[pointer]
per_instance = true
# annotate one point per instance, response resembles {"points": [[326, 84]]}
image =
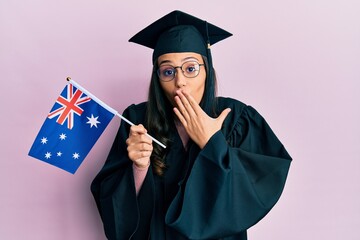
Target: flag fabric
{"points": [[71, 129]]}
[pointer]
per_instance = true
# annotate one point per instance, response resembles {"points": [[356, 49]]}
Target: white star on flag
{"points": [[93, 121], [44, 140], [59, 154], [47, 155], [62, 136], [76, 156]]}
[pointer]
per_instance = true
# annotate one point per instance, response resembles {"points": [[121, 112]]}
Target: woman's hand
{"points": [[197, 123], [139, 146]]}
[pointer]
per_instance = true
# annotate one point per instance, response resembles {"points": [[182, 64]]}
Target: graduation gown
{"points": [[217, 192]]}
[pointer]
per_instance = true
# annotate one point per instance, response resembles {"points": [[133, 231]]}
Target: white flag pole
{"points": [[110, 109]]}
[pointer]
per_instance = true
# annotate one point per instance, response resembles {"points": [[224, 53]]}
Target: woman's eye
{"points": [[168, 72], [191, 69]]}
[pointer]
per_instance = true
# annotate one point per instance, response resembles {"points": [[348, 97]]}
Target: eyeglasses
{"points": [[190, 69]]}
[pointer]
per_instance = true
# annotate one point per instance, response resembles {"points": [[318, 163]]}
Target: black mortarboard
{"points": [[180, 32]]}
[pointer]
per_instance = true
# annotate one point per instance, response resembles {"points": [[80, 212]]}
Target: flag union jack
{"points": [[60, 142], [69, 105]]}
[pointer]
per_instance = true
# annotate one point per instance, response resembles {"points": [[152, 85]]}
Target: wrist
{"points": [[203, 143], [142, 165]]}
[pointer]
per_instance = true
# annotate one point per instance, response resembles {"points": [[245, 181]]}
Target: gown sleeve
{"points": [[114, 189], [235, 180]]}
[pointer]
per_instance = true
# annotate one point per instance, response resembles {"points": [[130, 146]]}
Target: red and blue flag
{"points": [[71, 129]]}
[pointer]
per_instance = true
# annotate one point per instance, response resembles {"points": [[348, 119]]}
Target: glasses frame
{"points": [[180, 67]]}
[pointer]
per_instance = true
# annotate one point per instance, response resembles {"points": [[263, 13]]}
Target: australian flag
{"points": [[71, 129]]}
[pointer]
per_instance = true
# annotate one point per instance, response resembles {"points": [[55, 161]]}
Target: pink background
{"points": [[296, 62]]}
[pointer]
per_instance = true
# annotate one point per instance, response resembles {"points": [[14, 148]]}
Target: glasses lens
{"points": [[166, 73], [190, 69]]}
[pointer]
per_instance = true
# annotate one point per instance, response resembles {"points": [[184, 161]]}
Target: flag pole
{"points": [[110, 109]]}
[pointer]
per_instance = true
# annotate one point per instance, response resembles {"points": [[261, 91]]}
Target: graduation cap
{"points": [[180, 32]]}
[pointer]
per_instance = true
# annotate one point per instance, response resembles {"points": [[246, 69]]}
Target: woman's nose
{"points": [[180, 79]]}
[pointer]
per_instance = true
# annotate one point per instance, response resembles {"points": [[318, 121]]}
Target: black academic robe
{"points": [[214, 193]]}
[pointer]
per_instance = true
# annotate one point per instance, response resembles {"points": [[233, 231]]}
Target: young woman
{"points": [[223, 168]]}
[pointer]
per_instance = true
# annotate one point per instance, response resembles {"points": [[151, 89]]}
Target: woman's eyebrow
{"points": [[165, 61], [189, 58], [182, 60]]}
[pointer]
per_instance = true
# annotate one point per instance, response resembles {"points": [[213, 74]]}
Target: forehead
{"points": [[178, 58]]}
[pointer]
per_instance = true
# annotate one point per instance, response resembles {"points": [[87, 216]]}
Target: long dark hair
{"points": [[160, 117]]}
